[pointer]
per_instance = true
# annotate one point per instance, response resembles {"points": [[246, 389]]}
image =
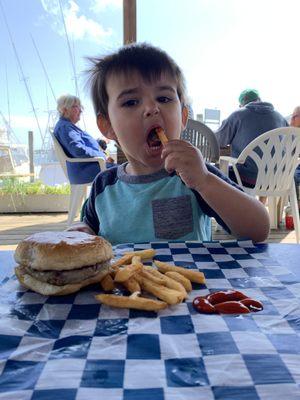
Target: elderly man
{"points": [[254, 118]]}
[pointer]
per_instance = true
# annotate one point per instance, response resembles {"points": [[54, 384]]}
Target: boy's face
{"points": [[135, 108]]}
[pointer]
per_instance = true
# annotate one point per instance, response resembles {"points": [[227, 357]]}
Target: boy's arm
{"points": [[244, 215], [81, 227]]}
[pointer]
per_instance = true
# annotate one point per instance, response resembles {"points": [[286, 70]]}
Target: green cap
{"points": [[247, 96]]}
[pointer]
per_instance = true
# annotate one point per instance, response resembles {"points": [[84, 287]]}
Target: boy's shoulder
{"points": [[105, 178], [108, 174], [116, 174]]}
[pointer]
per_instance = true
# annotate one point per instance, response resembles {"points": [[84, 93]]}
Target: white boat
{"points": [[14, 159]]}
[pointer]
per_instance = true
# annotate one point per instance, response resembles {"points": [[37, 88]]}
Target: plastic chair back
{"points": [[78, 191], [276, 155], [60, 154], [202, 137]]}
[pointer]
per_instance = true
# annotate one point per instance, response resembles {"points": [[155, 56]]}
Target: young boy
{"points": [[165, 191]]}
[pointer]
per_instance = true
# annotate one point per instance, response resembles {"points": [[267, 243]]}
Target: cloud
{"points": [[100, 5], [82, 27], [28, 122], [77, 25]]}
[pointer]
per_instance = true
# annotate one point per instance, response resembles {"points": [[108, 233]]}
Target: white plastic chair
{"points": [[78, 192], [202, 137], [276, 164]]}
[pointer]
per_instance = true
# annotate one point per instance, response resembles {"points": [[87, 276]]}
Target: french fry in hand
{"points": [[132, 285], [124, 273], [162, 136], [107, 283], [139, 303], [170, 296], [144, 254], [186, 283], [193, 276]]}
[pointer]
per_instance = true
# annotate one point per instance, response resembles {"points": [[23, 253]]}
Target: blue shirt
{"points": [[78, 144], [124, 208], [245, 125]]}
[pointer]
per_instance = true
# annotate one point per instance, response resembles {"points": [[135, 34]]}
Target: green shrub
{"points": [[18, 187]]}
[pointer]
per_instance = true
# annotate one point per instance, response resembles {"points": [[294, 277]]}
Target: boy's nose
{"points": [[151, 110]]}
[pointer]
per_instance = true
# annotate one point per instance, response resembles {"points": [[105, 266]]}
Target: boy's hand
{"points": [[81, 227], [188, 162]]}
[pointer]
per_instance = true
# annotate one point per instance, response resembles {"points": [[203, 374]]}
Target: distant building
{"points": [[200, 117], [212, 117]]}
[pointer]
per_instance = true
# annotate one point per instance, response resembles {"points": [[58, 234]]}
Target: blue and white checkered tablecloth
{"points": [[71, 347]]}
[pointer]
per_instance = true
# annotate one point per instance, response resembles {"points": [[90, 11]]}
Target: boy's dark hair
{"points": [[144, 58]]}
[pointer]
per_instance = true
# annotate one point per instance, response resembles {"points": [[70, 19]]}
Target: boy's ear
{"points": [[184, 116], [105, 127]]}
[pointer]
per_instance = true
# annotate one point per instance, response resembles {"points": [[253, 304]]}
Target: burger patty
{"points": [[64, 277]]}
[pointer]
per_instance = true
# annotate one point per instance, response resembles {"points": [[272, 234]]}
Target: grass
{"points": [[18, 187]]}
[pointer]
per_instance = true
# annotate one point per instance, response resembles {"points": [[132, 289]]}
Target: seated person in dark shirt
{"points": [[254, 118], [75, 142], [295, 121]]}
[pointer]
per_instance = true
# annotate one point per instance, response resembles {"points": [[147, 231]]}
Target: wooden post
{"points": [[31, 163], [129, 36], [129, 21]]}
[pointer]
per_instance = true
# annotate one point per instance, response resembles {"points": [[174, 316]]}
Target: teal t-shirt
{"points": [[124, 208]]}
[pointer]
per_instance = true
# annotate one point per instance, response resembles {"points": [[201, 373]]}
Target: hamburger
{"points": [[58, 263]]}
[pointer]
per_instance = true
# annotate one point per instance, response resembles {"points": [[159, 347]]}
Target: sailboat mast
{"points": [[72, 58], [70, 50], [22, 72], [8, 103], [44, 69]]}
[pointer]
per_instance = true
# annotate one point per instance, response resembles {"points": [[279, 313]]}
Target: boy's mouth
{"points": [[153, 139]]}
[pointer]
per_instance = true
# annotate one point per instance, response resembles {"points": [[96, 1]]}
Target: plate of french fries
{"points": [[152, 288]]}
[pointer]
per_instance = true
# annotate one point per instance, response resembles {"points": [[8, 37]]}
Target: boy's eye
{"points": [[164, 99], [130, 103]]}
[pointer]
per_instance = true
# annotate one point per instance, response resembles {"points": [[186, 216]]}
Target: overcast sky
{"points": [[223, 46]]}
